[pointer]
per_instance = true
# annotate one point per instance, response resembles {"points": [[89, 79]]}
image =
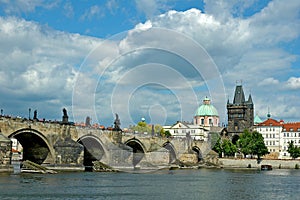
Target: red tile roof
{"points": [[294, 125], [271, 122]]}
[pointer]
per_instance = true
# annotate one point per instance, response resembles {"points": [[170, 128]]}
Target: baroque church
{"points": [[240, 113]]}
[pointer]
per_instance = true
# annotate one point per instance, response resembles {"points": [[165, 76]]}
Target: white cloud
{"points": [[93, 12], [20, 6], [293, 83], [69, 11], [270, 82], [39, 64], [152, 8]]}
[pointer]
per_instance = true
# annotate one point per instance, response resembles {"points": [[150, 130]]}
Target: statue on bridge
{"points": [[35, 115], [65, 118], [117, 123]]}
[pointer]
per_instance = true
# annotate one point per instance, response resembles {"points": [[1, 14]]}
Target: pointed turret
{"points": [[239, 97], [250, 99]]}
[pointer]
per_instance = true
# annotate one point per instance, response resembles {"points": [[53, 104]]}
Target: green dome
{"points": [[206, 109]]}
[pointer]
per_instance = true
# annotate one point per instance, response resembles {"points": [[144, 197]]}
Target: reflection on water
{"points": [[163, 184]]}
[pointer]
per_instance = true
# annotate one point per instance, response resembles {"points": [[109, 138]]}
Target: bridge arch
{"points": [[36, 147], [93, 150], [172, 153], [138, 150], [198, 152]]}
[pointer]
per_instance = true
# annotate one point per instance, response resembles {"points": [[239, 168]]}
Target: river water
{"points": [[164, 184]]}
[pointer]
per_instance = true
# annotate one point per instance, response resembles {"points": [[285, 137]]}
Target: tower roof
{"points": [[257, 120], [239, 96]]}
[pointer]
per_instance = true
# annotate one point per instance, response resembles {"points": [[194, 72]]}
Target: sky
{"points": [[156, 59]]}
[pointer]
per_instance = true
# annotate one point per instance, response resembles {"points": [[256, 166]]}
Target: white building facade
{"points": [[290, 132], [182, 129], [277, 136], [271, 132]]}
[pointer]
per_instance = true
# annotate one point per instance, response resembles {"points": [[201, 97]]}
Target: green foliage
{"points": [[229, 148], [164, 133], [158, 128], [142, 124], [142, 127], [218, 147], [252, 144], [225, 146], [293, 150]]}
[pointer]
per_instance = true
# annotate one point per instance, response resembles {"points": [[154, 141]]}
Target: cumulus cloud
{"points": [[184, 45], [39, 64], [152, 8], [293, 83]]}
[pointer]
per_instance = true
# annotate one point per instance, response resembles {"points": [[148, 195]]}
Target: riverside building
{"points": [[277, 135], [206, 119]]}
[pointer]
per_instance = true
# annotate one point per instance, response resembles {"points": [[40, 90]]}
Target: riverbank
{"points": [[252, 163]]}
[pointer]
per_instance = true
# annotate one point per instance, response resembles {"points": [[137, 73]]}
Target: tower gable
{"points": [[239, 96]]}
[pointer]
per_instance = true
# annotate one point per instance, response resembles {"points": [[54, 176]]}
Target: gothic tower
{"points": [[240, 113]]}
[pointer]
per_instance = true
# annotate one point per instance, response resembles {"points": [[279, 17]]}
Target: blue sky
{"points": [[148, 58]]}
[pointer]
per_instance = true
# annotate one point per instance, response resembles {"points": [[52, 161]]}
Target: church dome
{"points": [[206, 109]]}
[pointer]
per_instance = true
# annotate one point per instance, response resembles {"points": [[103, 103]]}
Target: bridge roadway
{"points": [[66, 146]]}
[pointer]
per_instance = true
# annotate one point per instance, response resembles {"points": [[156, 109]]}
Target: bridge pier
{"points": [[5, 154]]}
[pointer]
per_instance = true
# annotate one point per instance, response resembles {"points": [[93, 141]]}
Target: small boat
{"points": [[266, 167]]}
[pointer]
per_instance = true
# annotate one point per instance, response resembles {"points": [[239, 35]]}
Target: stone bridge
{"points": [[63, 146]]}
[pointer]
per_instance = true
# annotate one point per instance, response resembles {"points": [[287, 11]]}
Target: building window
{"points": [[273, 135], [202, 121], [295, 134], [287, 135], [291, 129], [298, 134], [266, 135], [210, 121], [266, 142], [274, 143], [284, 135]]}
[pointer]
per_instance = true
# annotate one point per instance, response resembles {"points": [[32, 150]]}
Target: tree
{"points": [[228, 147], [164, 133], [252, 143], [225, 146], [218, 147], [142, 127], [293, 150]]}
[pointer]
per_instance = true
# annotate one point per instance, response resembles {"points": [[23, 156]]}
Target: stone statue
{"points": [[35, 115], [117, 123], [65, 114], [88, 121], [65, 118]]}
